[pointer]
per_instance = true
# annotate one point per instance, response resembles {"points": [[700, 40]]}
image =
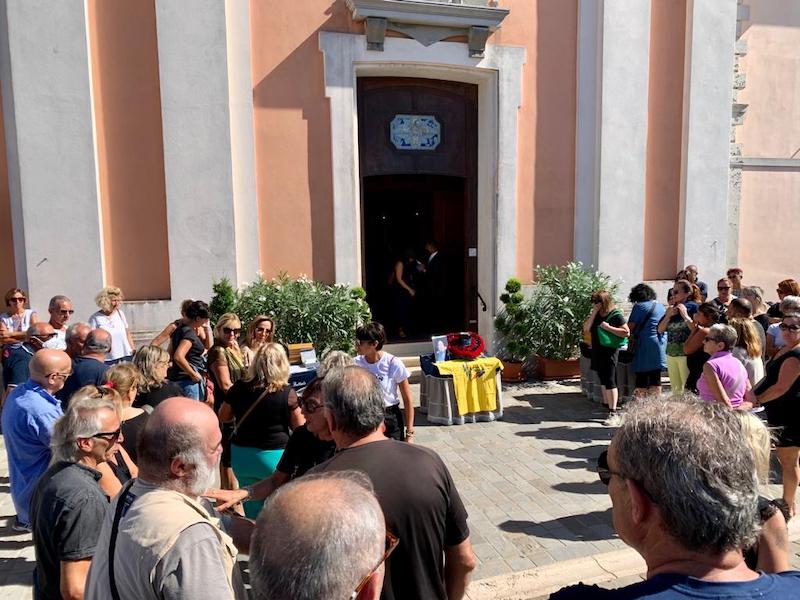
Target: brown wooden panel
{"points": [[455, 106]]}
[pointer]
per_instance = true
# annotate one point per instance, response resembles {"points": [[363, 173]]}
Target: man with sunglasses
{"points": [[61, 311], [68, 505], [684, 495], [321, 536], [29, 413]]}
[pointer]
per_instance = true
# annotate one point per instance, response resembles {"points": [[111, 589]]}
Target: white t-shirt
{"points": [[17, 323], [117, 326], [777, 338], [389, 370]]}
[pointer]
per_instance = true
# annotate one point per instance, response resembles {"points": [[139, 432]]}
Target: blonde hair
{"points": [[747, 336], [103, 298], [123, 377], [759, 440], [227, 320], [145, 360], [270, 367], [251, 330]]}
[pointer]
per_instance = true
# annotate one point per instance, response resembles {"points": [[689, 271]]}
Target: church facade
{"points": [[160, 145]]}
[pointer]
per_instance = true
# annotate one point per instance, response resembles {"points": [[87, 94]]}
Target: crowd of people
{"points": [[115, 453]]}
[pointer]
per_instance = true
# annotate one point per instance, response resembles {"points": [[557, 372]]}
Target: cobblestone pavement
{"points": [[527, 482]]}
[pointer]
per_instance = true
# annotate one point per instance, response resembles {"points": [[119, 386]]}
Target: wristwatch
{"points": [[249, 489]]}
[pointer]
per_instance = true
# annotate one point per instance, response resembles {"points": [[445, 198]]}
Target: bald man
{"points": [[290, 559], [183, 548], [28, 417]]}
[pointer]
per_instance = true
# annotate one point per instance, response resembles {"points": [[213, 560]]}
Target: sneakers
{"points": [[613, 420], [20, 527]]}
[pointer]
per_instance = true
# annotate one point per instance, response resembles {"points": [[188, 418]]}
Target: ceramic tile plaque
{"points": [[415, 132]]}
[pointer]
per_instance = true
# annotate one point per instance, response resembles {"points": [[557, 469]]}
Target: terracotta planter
{"points": [[547, 368], [512, 372]]}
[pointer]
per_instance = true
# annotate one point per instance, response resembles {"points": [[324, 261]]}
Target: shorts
{"points": [[647, 379], [393, 419]]}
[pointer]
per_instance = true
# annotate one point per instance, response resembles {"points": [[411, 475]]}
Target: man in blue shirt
{"points": [[684, 495], [28, 417]]}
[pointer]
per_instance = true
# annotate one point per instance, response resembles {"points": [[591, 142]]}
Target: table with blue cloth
{"points": [[300, 377], [437, 396]]}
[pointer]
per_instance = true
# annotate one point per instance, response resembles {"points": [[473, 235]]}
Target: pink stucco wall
{"points": [[292, 131], [770, 205]]}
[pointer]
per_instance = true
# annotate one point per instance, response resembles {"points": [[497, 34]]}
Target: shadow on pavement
{"points": [[583, 435], [589, 527], [17, 571], [581, 487]]}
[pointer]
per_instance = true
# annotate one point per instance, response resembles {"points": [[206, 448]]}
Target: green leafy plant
{"points": [[224, 299], [511, 323], [560, 305], [304, 310], [550, 322]]}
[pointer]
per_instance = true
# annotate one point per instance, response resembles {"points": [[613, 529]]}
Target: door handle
{"points": [[483, 302]]}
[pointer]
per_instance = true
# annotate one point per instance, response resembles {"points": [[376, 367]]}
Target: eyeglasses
{"points": [[59, 375], [17, 299], [785, 327], [45, 336], [108, 436], [710, 339], [605, 473], [66, 312], [723, 287], [229, 330], [391, 543], [309, 406]]}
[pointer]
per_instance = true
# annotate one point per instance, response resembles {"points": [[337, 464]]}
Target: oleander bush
{"points": [[303, 310], [549, 323]]}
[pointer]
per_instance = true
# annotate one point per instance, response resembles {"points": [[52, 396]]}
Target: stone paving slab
{"points": [[535, 503]]}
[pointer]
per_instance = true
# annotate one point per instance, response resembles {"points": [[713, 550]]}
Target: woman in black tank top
{"points": [[779, 392]]}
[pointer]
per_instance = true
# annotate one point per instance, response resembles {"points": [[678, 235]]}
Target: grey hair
{"points": [[160, 443], [723, 333], [319, 550], [355, 399], [693, 458], [55, 300], [755, 294], [80, 420], [72, 330], [335, 359], [96, 343], [790, 304]]}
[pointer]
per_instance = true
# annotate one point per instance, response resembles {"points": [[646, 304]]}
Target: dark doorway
{"points": [[401, 214], [411, 196]]}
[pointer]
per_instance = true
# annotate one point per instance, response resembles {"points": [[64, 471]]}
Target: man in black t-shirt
{"points": [[419, 499], [68, 506]]}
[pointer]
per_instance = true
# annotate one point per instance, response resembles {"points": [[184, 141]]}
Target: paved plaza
{"points": [[539, 516]]}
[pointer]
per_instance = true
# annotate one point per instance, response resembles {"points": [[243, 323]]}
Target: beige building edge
{"points": [[161, 145]]}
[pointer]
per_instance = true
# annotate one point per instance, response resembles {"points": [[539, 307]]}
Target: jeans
{"points": [[190, 388]]}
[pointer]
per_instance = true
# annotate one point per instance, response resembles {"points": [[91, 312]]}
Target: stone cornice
{"points": [[427, 21]]}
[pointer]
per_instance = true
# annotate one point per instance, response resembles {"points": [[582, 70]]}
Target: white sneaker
{"points": [[613, 420]]}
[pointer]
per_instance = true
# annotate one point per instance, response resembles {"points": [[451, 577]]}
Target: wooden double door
{"points": [[418, 158]]}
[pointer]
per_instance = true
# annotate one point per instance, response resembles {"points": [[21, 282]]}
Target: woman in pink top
{"points": [[724, 378]]}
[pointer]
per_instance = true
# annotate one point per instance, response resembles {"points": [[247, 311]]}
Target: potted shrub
{"points": [[304, 310], [555, 315], [516, 345]]}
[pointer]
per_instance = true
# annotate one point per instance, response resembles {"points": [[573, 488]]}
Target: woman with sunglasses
{"points": [[260, 331], [779, 392], [787, 287], [724, 377], [677, 322], [15, 321], [724, 296], [226, 367], [774, 337], [153, 363]]}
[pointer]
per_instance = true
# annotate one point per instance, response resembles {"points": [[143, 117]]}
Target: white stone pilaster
{"points": [[207, 114], [613, 73], [49, 124], [708, 94]]}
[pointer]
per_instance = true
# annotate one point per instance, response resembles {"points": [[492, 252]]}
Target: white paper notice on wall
{"points": [[473, 252]]}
